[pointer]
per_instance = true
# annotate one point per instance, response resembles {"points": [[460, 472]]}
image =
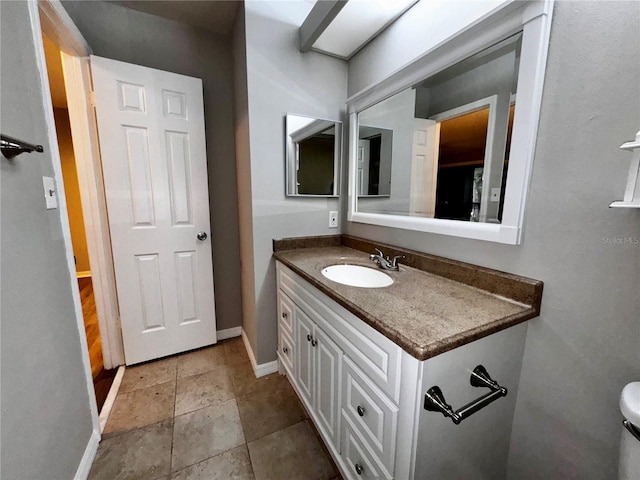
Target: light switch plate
{"points": [[333, 219], [50, 194], [495, 194]]}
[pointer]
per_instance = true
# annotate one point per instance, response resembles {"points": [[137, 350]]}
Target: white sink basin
{"points": [[357, 276]]}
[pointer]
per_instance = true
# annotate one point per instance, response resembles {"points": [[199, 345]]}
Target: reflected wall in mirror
{"points": [[313, 148], [449, 137]]}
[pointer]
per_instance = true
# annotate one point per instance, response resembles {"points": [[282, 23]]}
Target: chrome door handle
{"points": [[361, 411], [202, 236], [359, 469]]}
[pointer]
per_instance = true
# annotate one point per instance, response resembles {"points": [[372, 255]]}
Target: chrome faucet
{"points": [[385, 263]]}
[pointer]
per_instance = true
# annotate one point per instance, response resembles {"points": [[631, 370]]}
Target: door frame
{"points": [[58, 25], [63, 35]]}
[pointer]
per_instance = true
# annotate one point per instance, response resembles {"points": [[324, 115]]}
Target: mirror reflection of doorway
{"points": [[461, 160]]}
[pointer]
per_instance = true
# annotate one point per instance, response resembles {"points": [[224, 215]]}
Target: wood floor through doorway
{"points": [[102, 379]]}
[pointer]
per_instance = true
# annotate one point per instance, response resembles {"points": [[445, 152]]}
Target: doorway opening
{"points": [[102, 378]]}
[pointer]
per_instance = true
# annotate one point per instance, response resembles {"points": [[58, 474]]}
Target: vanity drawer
{"points": [[372, 413], [359, 461], [286, 352], [377, 356], [285, 313]]}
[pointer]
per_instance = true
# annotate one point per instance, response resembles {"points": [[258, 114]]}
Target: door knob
{"points": [[202, 236]]}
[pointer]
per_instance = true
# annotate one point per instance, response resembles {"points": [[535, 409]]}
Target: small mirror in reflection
{"points": [[313, 156]]}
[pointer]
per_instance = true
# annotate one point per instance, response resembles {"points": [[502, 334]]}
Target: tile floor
{"points": [[204, 415]]}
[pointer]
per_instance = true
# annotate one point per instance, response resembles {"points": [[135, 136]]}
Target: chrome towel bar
{"points": [[633, 430], [12, 147], [434, 399]]}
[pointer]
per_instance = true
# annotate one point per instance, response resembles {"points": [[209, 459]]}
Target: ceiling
{"points": [[215, 16]]}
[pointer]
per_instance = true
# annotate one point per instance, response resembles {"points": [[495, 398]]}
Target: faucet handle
{"points": [[379, 252], [394, 261]]}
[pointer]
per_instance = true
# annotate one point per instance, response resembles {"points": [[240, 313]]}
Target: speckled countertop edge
{"points": [[329, 246]]}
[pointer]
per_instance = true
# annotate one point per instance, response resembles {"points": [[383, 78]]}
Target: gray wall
{"points": [[583, 348], [282, 80], [130, 36], [46, 421], [243, 167]]}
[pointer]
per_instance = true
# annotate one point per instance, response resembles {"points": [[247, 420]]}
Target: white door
{"points": [[364, 147], [152, 143], [424, 167]]}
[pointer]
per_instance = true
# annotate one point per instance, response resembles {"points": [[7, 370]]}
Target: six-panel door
{"points": [[152, 143]]}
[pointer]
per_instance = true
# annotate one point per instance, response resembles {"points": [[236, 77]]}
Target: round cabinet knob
{"points": [[361, 411], [309, 337], [314, 343], [359, 469], [285, 349], [202, 236], [284, 314]]}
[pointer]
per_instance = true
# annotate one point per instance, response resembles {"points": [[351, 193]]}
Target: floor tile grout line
{"points": [[173, 423], [209, 458]]}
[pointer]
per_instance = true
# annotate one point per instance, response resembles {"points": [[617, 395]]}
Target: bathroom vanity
{"points": [[363, 359]]}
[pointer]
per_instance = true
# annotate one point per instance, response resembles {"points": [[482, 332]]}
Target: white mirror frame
{"points": [[533, 18], [292, 161]]}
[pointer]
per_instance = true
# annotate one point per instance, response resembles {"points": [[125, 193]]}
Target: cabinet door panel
{"points": [[328, 366], [304, 355]]}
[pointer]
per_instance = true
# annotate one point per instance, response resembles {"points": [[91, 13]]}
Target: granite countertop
{"points": [[424, 313]]}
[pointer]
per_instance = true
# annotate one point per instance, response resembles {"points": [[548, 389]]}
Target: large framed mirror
{"points": [[313, 151], [458, 127]]}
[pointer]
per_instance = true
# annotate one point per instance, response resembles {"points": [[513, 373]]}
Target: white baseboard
{"points": [[86, 274], [111, 398], [229, 333], [89, 455], [262, 369]]}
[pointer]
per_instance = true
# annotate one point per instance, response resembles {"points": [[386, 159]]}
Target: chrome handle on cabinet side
{"points": [[361, 410], [314, 343], [309, 338], [359, 468], [285, 349], [284, 315], [202, 236]]}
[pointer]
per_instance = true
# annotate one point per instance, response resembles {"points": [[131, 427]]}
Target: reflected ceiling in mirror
{"points": [[313, 149], [444, 142]]}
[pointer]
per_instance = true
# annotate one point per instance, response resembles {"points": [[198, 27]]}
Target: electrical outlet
{"points": [[333, 219], [495, 195]]}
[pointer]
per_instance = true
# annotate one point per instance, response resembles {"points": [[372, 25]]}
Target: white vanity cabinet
{"points": [[365, 394]]}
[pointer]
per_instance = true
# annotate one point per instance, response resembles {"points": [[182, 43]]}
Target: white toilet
{"points": [[629, 466]]}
